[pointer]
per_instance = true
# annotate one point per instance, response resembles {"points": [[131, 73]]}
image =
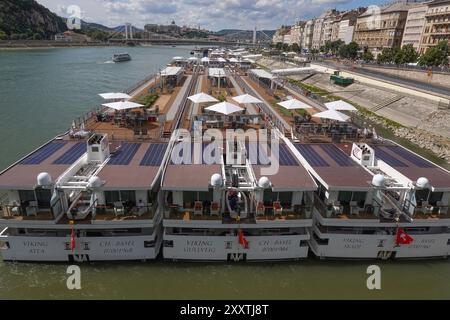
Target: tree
{"points": [[3, 35], [285, 47], [349, 51], [410, 54], [388, 55], [435, 56], [367, 56], [279, 45], [295, 47]]}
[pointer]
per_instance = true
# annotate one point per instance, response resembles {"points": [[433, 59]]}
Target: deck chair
{"points": [[198, 208], [354, 209], [277, 208], [32, 209], [260, 209], [119, 209], [15, 209], [337, 208], [141, 210], [215, 208]]}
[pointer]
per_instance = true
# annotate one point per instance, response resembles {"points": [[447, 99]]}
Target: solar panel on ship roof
{"points": [[286, 158], [337, 155], [256, 154], [411, 157], [310, 155], [154, 155], [124, 155], [71, 155], [43, 153], [388, 158]]}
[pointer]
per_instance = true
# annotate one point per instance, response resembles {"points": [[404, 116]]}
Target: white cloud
{"points": [[212, 14]]}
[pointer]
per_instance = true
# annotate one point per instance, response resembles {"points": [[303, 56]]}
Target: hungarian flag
{"points": [[402, 237], [242, 239], [72, 240]]}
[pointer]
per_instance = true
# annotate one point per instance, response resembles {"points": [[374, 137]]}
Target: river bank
{"points": [[418, 122], [48, 44]]}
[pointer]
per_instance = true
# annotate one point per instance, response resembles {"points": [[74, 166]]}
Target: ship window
{"points": [[111, 197], [26, 196], [422, 195], [168, 243], [435, 197], [149, 244], [94, 149], [128, 196], [43, 197]]}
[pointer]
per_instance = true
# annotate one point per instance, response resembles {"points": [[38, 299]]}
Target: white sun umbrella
{"points": [[332, 115], [193, 58], [294, 104], [234, 60], [177, 58], [246, 98], [205, 59], [202, 98], [114, 95], [123, 105], [340, 105], [224, 108], [221, 60]]}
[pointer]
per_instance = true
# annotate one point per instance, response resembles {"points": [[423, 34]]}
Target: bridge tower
{"points": [[254, 35], [128, 31]]}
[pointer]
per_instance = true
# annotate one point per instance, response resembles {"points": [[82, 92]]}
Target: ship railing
{"points": [[103, 212], [191, 212], [355, 211], [283, 211], [141, 83], [425, 210], [27, 212]]}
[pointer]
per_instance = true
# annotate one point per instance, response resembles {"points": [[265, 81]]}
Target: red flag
{"points": [[402, 237], [72, 240], [242, 239]]}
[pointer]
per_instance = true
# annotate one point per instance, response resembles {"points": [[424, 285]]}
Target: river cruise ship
{"points": [[91, 194], [214, 159]]}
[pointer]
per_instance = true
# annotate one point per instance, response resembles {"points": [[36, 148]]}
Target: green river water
{"points": [[41, 91]]}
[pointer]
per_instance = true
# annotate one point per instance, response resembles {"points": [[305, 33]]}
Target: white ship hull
{"points": [[26, 248], [227, 248], [358, 246]]}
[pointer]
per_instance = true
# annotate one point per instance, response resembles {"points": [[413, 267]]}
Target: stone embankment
{"points": [[430, 131]]}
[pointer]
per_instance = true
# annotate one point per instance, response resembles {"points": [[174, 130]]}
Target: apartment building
{"points": [[436, 25], [307, 37], [297, 32], [378, 28], [415, 22]]}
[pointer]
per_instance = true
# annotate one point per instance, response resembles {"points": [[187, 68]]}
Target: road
{"points": [[391, 78]]}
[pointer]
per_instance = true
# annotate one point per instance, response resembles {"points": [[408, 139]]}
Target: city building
{"points": [[415, 22], [297, 32], [323, 28], [437, 24], [378, 28], [307, 36], [280, 33], [346, 25]]}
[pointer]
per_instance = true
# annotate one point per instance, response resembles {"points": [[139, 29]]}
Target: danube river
{"points": [[41, 91]]}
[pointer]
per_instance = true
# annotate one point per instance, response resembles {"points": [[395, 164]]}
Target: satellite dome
{"points": [[95, 182], [264, 182], [422, 183], [44, 179], [378, 180], [216, 180]]}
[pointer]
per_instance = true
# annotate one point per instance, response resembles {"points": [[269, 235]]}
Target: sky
{"points": [[210, 14]]}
